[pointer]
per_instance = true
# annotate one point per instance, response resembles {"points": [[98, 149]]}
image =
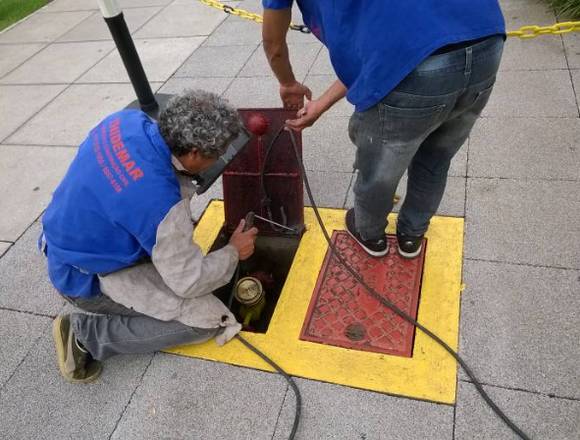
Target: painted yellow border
{"points": [[429, 375]]}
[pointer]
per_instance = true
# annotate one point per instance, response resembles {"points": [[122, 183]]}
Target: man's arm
{"points": [[274, 30]]}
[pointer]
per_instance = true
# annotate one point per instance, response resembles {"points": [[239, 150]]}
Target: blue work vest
{"points": [[104, 215]]}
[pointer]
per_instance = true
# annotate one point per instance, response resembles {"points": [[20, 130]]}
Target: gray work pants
{"points": [[115, 329], [419, 127]]}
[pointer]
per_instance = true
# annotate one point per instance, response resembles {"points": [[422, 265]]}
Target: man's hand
{"points": [[306, 116], [310, 113], [293, 95], [244, 241]]}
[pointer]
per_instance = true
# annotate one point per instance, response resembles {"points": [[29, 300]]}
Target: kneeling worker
{"points": [[118, 237]]}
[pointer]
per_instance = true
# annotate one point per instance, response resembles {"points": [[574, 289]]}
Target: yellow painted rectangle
{"points": [[429, 375]]}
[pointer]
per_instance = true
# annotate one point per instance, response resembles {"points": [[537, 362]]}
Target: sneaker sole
{"points": [[60, 346], [408, 255], [367, 250]]}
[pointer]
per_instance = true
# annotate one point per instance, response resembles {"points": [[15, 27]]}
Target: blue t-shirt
{"points": [[104, 215], [375, 44]]}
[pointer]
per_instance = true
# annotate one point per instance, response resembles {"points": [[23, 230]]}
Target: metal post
{"points": [[115, 20]]}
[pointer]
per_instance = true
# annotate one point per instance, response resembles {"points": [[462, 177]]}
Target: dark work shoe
{"points": [[376, 248], [409, 246], [75, 363]]}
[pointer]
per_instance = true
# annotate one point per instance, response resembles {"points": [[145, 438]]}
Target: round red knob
{"points": [[258, 124]]}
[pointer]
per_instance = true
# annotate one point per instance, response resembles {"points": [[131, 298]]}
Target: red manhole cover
{"points": [[342, 313]]}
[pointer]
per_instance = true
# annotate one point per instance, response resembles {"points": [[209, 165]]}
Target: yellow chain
{"points": [[525, 32], [248, 15]]}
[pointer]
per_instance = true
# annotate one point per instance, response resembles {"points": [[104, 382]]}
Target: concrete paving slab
{"points": [[19, 332], [525, 148], [82, 5], [301, 57], [28, 175], [532, 94], [572, 45], [187, 398], [330, 189], [327, 146], [520, 220], [19, 103], [68, 119], [322, 65], [182, 20], [160, 59], [538, 416], [318, 84], [38, 404], [4, 246], [59, 63], [453, 203], [533, 344], [95, 28], [539, 54], [43, 28], [235, 31], [143, 3], [254, 92], [214, 85], [71, 5], [202, 62], [24, 284], [576, 81], [337, 412], [12, 55]]}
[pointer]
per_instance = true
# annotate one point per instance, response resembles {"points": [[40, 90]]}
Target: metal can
{"points": [[249, 291]]}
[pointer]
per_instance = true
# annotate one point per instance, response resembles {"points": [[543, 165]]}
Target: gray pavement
{"points": [[516, 182]]}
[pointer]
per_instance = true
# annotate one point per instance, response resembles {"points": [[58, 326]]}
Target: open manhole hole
{"points": [[269, 265], [343, 314]]}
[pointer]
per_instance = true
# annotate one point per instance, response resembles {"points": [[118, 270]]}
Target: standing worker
{"points": [[118, 237], [419, 73]]}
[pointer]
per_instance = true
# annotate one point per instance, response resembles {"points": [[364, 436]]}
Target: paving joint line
{"points": [[27, 59], [539, 393], [22, 361], [513, 263], [350, 185], [132, 395], [571, 76], [236, 76], [522, 179], [37, 146], [28, 312], [27, 229], [280, 411], [528, 117]]}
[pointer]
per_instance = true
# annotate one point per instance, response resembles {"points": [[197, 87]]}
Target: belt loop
{"points": [[468, 61]]}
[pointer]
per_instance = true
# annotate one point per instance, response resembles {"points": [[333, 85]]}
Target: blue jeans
{"points": [[419, 127]]}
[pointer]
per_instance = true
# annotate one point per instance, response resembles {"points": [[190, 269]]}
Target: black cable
{"points": [[385, 302], [266, 200], [289, 379]]}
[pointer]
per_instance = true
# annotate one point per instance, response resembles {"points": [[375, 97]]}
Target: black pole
{"points": [[126, 47]]}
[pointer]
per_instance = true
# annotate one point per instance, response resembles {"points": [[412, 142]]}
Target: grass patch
{"points": [[566, 9], [13, 10]]}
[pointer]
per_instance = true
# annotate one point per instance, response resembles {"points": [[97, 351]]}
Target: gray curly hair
{"points": [[200, 120]]}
